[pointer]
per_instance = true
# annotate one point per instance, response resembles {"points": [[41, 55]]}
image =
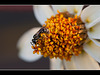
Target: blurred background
{"points": [[14, 21]]}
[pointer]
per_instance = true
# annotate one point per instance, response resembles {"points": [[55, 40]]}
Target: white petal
{"points": [[93, 50], [90, 14], [61, 8], [42, 12], [94, 32], [69, 65], [24, 46], [56, 64], [96, 21], [73, 9], [78, 9], [96, 42], [84, 61], [26, 54]]}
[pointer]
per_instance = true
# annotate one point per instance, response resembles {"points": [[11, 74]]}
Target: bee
{"points": [[37, 35]]}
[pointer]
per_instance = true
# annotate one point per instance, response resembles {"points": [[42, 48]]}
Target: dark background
{"points": [[14, 21]]}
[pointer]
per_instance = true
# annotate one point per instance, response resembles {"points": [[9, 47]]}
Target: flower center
{"points": [[67, 34]]}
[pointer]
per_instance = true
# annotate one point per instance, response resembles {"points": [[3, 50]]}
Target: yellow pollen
{"points": [[75, 10], [64, 39], [58, 11], [88, 20], [39, 48]]}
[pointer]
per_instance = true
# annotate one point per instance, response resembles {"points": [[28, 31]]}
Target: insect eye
{"points": [[34, 41], [43, 30]]}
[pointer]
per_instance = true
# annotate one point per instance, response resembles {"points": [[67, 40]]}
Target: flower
{"points": [[80, 35]]}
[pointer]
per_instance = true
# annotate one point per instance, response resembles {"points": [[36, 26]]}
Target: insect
{"points": [[37, 35]]}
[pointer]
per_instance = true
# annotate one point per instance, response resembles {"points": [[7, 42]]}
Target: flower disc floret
{"points": [[66, 37]]}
